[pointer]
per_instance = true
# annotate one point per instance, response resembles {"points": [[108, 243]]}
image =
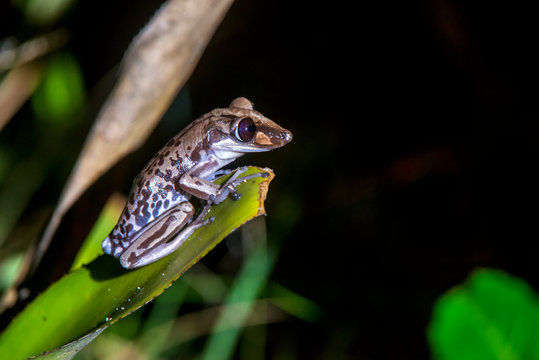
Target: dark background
{"points": [[414, 152]]}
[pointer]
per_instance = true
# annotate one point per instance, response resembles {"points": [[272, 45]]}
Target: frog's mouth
{"points": [[261, 142], [229, 150]]}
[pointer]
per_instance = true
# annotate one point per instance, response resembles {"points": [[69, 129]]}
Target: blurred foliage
{"points": [[91, 248], [246, 287], [42, 13], [9, 270], [491, 316], [31, 150], [89, 298], [55, 106], [61, 94]]}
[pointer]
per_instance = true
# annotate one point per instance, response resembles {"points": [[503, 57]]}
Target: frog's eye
{"points": [[245, 130]]}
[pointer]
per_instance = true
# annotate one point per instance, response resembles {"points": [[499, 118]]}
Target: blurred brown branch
{"points": [[12, 56], [156, 65], [16, 88]]}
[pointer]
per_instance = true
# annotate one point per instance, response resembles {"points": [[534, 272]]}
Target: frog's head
{"points": [[240, 129]]}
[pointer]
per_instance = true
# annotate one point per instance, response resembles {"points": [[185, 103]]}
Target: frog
{"points": [[159, 215]]}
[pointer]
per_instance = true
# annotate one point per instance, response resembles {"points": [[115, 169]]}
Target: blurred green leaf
{"points": [[491, 316], [101, 293], [91, 248], [205, 287], [41, 12], [245, 289], [159, 325], [295, 304], [9, 270], [61, 92], [21, 183]]}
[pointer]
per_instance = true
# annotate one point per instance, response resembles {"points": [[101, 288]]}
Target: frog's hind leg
{"points": [[163, 235]]}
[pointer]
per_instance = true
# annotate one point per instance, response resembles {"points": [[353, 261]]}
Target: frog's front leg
{"points": [[163, 235], [229, 187], [204, 189]]}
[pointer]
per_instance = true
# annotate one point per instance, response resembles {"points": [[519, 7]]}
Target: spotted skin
{"points": [[158, 207]]}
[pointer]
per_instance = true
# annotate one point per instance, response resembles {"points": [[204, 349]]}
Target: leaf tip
{"points": [[263, 190]]}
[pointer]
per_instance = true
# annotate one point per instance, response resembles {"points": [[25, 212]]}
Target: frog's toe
{"points": [[235, 195]]}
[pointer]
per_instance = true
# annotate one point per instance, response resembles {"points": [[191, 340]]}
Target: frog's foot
{"points": [[229, 187]]}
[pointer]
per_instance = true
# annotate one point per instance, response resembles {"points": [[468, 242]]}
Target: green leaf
{"points": [[69, 350], [91, 247], [102, 292], [491, 316]]}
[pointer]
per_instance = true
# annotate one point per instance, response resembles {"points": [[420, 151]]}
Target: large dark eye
{"points": [[246, 129]]}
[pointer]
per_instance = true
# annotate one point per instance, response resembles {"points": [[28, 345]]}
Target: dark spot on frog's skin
{"points": [[178, 143], [177, 161], [157, 208], [189, 148], [168, 188], [142, 215], [198, 182], [176, 192], [132, 198], [129, 230], [166, 203], [120, 230], [162, 193], [167, 176], [153, 205], [155, 197], [139, 180], [162, 157], [197, 154]]}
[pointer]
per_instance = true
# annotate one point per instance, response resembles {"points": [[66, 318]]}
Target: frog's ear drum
{"points": [[242, 103]]}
